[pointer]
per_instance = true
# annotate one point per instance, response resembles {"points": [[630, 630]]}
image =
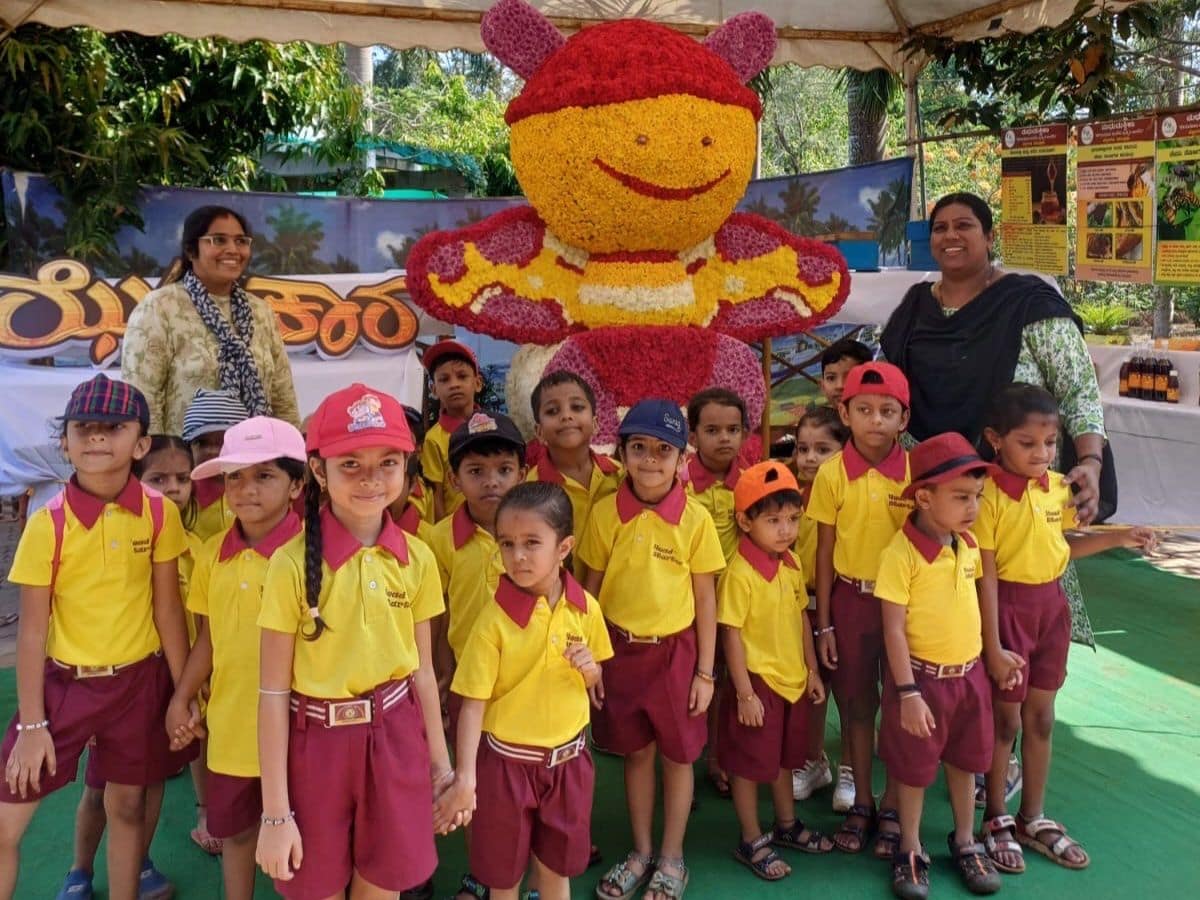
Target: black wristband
{"points": [[910, 688]]}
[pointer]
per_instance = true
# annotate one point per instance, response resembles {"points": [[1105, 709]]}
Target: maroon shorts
{"points": [[857, 619], [758, 754], [363, 801], [646, 689], [963, 738], [234, 804], [523, 807], [1035, 622], [125, 712]]}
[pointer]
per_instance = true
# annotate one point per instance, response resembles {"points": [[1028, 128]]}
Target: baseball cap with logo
{"points": [[876, 378], [212, 411], [253, 441], [762, 480], [940, 458], [485, 427], [103, 399], [355, 417], [656, 418], [443, 349]]}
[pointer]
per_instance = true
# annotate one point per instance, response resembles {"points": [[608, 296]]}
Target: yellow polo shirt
{"points": [[102, 599], [514, 660], [937, 585], [648, 555], [863, 502], [606, 478], [227, 587], [765, 599], [411, 521], [805, 547], [715, 494], [213, 514], [1022, 520], [470, 566], [421, 498], [187, 564], [371, 599], [435, 460]]}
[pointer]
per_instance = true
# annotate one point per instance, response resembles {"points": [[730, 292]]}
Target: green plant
{"points": [[1105, 318]]}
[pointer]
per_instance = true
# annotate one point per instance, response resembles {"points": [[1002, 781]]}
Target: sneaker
{"points": [[153, 884], [78, 886], [814, 776], [843, 794]]}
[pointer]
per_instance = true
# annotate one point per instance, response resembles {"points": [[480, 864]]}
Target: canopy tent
{"points": [[861, 34]]}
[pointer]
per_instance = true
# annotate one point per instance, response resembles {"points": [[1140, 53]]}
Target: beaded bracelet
{"points": [[34, 726], [747, 698], [270, 820], [828, 629]]}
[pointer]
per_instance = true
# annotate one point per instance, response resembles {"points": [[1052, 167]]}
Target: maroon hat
{"points": [[104, 399], [941, 458], [355, 417], [876, 378], [442, 349]]}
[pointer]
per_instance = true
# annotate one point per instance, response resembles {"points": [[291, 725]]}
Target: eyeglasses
{"points": [[223, 240]]}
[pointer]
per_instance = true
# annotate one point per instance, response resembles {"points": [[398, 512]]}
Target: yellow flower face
{"points": [[657, 174]]}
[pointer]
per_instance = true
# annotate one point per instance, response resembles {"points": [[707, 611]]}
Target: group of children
{"points": [[380, 595]]}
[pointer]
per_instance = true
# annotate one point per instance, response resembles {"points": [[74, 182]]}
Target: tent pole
{"points": [[765, 427]]}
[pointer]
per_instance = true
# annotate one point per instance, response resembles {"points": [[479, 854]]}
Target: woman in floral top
{"points": [[200, 329]]}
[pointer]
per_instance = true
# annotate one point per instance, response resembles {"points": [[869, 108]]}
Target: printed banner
{"points": [[1033, 191], [1177, 187], [1115, 200]]}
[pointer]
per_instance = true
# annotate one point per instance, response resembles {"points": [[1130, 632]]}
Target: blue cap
{"points": [[657, 418]]}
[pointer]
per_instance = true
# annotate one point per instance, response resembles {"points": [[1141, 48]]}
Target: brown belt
{"points": [[81, 672], [359, 711], [957, 670], [549, 758]]}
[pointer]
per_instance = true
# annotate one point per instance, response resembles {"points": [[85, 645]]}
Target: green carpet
{"points": [[1126, 780]]}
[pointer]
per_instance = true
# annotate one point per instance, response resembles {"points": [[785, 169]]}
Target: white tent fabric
{"points": [[863, 34]]}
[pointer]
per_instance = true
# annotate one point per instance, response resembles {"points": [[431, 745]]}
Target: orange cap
{"points": [[762, 480]]}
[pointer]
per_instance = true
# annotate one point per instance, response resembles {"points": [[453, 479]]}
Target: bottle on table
{"points": [[1123, 382], [1135, 377], [1173, 386], [1162, 374]]}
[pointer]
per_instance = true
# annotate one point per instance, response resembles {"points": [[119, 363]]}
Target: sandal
{"points": [[1029, 834], [793, 836], [623, 878], [910, 875], [850, 831], [886, 842], [472, 887], [976, 868], [720, 782], [762, 866], [996, 846], [669, 886], [595, 857]]}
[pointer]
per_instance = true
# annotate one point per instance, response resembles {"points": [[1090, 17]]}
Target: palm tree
{"points": [[868, 96], [889, 216], [800, 203], [295, 246]]}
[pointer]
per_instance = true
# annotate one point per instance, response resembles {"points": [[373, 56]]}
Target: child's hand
{"points": [[596, 692], [1140, 538], [32, 750], [827, 650], [279, 851], [580, 657], [1005, 669], [454, 806], [815, 687], [750, 711], [180, 722], [700, 696], [915, 717]]}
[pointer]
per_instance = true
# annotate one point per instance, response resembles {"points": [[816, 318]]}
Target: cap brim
{"points": [[481, 437], [909, 492], [675, 440], [235, 461], [100, 417], [360, 441]]}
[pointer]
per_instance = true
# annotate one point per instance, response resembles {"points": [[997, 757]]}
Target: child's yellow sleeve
{"points": [[598, 640], [284, 604], [733, 600], [479, 665], [35, 552], [986, 522], [893, 582], [824, 499], [171, 540], [428, 601]]}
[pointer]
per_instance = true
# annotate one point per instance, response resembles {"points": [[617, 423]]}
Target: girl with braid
{"points": [[351, 748]]}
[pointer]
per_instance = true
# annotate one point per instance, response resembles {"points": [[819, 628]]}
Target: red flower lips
{"points": [[657, 191]]}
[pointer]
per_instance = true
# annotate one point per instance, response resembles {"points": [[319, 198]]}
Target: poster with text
{"points": [[1177, 183], [1114, 179], [1033, 197]]}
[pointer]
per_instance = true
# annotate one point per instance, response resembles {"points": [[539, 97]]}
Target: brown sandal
{"points": [[1029, 834], [997, 846], [853, 832], [886, 842]]}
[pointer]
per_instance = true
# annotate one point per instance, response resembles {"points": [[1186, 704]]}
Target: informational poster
{"points": [[1177, 186], [1033, 197], [1115, 200]]}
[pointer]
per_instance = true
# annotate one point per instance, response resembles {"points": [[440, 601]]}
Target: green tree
{"points": [[870, 98], [293, 247]]}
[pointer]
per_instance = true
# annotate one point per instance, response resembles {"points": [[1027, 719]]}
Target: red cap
{"points": [[880, 378], [941, 458], [356, 417], [442, 349], [762, 480], [630, 59]]}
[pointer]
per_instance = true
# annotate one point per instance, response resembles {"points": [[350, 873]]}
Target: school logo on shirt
{"points": [[573, 638], [398, 599], [667, 554], [895, 501], [141, 545], [1053, 516], [365, 412], [969, 571]]}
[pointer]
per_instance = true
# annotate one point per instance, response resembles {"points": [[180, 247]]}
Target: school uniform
{"points": [[105, 674], [864, 504], [606, 478], [764, 598], [468, 560], [534, 773], [648, 555], [412, 522], [421, 497], [1022, 521], [715, 494], [358, 762], [936, 586], [435, 459], [227, 587], [213, 514], [805, 548]]}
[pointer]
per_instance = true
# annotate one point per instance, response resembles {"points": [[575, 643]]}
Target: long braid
{"points": [[312, 555]]}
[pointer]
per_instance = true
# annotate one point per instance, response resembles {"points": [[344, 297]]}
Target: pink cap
{"points": [[253, 441]]}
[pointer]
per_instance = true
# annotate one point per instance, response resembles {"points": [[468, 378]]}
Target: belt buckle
{"points": [[348, 712], [954, 671], [94, 671], [564, 753], [632, 638], [866, 587]]}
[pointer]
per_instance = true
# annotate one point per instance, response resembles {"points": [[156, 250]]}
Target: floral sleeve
{"points": [[1054, 355], [145, 355]]}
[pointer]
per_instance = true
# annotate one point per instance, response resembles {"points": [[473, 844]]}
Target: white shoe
{"points": [[814, 776], [843, 794]]}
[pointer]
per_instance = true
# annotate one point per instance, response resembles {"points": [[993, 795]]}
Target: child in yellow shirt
{"points": [[455, 380]]}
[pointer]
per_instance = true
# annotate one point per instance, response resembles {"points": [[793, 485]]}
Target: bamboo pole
{"points": [[765, 427]]}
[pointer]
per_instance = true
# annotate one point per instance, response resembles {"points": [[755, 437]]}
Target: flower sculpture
{"points": [[634, 144]]}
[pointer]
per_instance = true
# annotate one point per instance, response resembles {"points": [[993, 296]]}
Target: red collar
{"points": [[209, 490], [518, 605], [410, 519], [893, 466], [234, 543], [1015, 485], [702, 478], [462, 526], [448, 422], [764, 564], [927, 546], [669, 508], [416, 490], [87, 508], [547, 471], [338, 544]]}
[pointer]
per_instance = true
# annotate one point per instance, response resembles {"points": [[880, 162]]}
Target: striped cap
{"points": [[104, 399], [212, 411]]}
